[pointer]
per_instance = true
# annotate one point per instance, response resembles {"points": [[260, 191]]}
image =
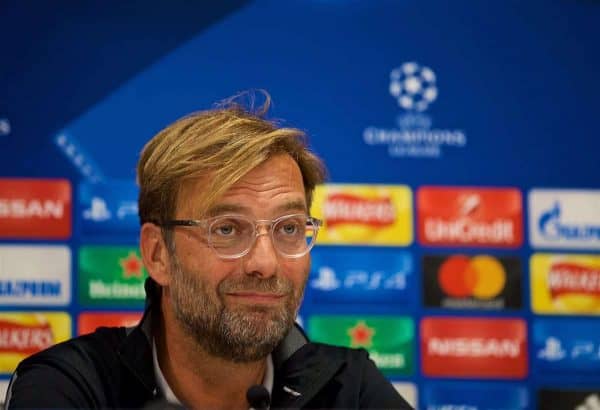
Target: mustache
{"points": [[274, 284]]}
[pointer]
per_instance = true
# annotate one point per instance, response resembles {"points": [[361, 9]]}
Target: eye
{"points": [[224, 230], [226, 227], [291, 227]]}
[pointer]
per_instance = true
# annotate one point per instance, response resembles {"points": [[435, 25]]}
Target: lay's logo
{"points": [[25, 333], [364, 214], [352, 209], [18, 338], [565, 283], [571, 277]]}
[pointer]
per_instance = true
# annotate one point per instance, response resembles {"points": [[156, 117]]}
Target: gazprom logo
{"points": [[564, 219], [553, 228]]}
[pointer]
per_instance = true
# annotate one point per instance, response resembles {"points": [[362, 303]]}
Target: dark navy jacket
{"points": [[113, 368]]}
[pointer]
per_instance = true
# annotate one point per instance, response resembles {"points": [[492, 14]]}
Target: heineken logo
{"points": [[361, 335], [131, 265], [111, 274], [388, 339]]}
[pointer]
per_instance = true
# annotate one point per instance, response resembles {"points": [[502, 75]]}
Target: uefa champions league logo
{"points": [[413, 86]]}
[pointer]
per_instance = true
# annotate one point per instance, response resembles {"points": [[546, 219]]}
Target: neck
{"points": [[198, 379]]}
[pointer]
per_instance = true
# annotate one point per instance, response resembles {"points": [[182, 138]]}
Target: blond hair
{"points": [[225, 143]]}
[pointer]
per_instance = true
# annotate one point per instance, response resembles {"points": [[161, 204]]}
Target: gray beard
{"points": [[240, 334]]}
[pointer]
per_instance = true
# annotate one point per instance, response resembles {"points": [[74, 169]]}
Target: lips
{"points": [[256, 297]]}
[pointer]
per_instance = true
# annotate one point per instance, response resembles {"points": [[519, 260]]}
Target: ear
{"points": [[155, 254]]}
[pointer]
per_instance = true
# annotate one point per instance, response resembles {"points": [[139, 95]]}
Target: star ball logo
{"points": [[472, 282], [388, 339], [414, 87]]}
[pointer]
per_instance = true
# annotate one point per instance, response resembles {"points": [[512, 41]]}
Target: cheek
{"points": [[202, 261], [297, 271]]}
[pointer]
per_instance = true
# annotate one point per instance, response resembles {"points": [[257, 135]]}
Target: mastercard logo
{"points": [[481, 277]]}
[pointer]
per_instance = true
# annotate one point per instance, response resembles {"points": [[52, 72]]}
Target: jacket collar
{"points": [[300, 372]]}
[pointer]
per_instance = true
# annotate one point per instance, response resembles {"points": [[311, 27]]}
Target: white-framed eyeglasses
{"points": [[232, 236]]}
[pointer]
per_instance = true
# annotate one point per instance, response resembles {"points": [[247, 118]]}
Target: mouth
{"points": [[256, 297]]}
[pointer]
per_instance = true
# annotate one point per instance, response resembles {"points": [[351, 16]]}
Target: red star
{"points": [[131, 265], [361, 335]]}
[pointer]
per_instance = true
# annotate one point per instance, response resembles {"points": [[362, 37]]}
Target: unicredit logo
{"points": [[570, 277], [35, 208], [24, 339], [353, 209], [500, 231], [470, 216], [476, 347]]}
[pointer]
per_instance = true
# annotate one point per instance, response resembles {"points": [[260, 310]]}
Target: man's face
{"points": [[240, 309]]}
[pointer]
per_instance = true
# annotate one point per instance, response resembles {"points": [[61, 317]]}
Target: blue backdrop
{"points": [[513, 102]]}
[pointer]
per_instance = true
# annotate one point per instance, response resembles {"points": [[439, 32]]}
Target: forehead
{"points": [[273, 187]]}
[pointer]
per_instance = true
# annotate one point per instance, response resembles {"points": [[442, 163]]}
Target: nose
{"points": [[262, 259]]}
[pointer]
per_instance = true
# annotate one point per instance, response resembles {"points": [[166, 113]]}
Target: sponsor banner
{"points": [[388, 339], [364, 214], [35, 208], [25, 333], [564, 399], [361, 276], [109, 207], [565, 284], [90, 321], [566, 346], [35, 275], [408, 391], [473, 396], [110, 275], [472, 282], [453, 216], [560, 218], [474, 347]]}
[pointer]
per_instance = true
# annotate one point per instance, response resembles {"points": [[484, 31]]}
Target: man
{"points": [[226, 234]]}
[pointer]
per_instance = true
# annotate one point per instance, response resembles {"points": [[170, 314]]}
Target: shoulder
{"points": [[359, 382], [97, 347], [70, 374], [326, 351]]}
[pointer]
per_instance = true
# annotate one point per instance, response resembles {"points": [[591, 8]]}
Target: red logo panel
{"points": [[88, 322], [474, 347], [470, 217], [35, 208]]}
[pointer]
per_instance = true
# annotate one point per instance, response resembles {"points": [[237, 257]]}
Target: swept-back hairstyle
{"points": [[225, 143]]}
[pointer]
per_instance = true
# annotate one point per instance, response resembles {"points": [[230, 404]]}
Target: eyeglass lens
{"points": [[292, 235]]}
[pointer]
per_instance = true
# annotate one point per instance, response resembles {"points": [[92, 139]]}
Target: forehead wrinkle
{"points": [[221, 209]]}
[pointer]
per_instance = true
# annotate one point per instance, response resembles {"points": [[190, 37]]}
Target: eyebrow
{"points": [[220, 209]]}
